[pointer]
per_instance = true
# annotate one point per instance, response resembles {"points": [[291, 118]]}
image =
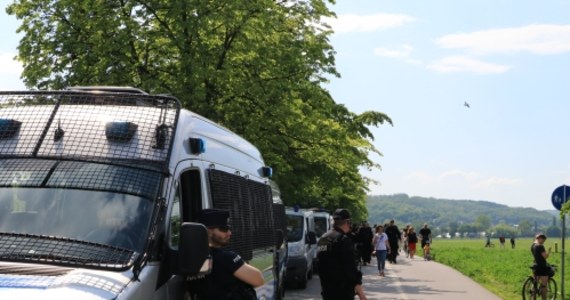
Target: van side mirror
{"points": [[279, 238], [193, 250], [311, 238]]}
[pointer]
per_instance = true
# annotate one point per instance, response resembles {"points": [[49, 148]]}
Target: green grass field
{"points": [[500, 270]]}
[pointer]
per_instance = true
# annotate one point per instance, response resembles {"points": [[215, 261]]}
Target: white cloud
{"points": [[346, 23], [452, 178], [535, 39], [454, 64], [423, 177], [402, 52], [497, 181], [9, 65]]}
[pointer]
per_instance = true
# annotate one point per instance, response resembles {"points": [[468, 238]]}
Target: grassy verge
{"points": [[500, 270]]}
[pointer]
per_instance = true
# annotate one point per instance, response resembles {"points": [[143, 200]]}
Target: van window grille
{"points": [[79, 175], [71, 125], [262, 214], [62, 251], [249, 204]]}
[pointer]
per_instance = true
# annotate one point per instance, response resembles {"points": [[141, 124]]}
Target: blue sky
{"points": [[418, 61]]}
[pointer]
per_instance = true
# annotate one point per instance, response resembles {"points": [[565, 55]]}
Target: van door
{"points": [[186, 200]]}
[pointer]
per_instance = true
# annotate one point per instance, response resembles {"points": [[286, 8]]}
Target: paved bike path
{"points": [[421, 280]]}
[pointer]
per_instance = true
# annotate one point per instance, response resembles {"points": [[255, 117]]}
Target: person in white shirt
{"points": [[381, 248]]}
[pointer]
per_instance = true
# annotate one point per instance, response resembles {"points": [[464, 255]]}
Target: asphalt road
{"points": [[408, 280]]}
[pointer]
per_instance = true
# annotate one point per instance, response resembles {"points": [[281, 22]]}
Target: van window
{"points": [[191, 195], [320, 226], [108, 218], [175, 220], [294, 228], [187, 202]]}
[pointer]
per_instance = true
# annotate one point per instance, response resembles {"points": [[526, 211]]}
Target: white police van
{"points": [[323, 223], [99, 188], [302, 246], [281, 253]]}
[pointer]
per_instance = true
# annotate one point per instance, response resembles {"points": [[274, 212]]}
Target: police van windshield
{"points": [[320, 225], [294, 228], [93, 202], [102, 217]]}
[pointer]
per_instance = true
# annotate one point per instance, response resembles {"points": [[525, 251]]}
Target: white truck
{"points": [[99, 188]]}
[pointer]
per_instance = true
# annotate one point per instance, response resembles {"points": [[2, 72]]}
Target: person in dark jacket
{"points": [[394, 238], [340, 279], [365, 236], [230, 274]]}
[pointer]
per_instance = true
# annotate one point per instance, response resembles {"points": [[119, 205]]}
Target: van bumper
{"points": [[296, 268]]}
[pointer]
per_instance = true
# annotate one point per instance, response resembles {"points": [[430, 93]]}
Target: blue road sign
{"points": [[560, 196]]}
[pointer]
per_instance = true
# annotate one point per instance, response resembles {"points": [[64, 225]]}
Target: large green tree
{"points": [[256, 66]]}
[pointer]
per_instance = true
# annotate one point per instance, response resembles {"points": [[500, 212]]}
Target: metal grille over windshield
{"points": [[27, 248], [89, 126], [20, 173], [79, 173]]}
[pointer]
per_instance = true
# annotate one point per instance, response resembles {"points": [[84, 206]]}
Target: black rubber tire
{"points": [[528, 289]]}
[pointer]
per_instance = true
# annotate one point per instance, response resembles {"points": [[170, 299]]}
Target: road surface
{"points": [[408, 280]]}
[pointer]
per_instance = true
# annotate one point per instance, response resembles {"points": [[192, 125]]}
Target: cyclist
{"points": [[541, 267]]}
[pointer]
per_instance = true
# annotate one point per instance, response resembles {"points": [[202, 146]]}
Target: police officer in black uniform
{"points": [[340, 279], [231, 275]]}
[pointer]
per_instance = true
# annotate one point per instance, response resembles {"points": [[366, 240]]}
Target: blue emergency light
{"points": [[120, 131], [9, 128], [296, 207], [197, 145], [266, 171]]}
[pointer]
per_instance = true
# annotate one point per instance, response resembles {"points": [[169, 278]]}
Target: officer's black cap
{"points": [[213, 217], [341, 214]]}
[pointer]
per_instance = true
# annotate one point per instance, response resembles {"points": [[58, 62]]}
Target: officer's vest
{"points": [[326, 255]]}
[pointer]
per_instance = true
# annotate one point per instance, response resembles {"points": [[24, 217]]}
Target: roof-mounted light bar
{"points": [[108, 89]]}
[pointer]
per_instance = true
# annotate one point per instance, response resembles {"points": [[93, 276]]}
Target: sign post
{"points": [[559, 197]]}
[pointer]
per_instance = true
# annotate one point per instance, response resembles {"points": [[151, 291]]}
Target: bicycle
{"points": [[531, 287]]}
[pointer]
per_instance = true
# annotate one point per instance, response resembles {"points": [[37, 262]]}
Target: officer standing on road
{"points": [[340, 279], [231, 276]]}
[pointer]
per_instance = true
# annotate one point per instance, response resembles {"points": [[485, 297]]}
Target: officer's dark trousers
{"points": [[393, 251], [366, 253]]}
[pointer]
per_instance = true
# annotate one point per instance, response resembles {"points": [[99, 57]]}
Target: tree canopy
{"points": [[257, 67]]}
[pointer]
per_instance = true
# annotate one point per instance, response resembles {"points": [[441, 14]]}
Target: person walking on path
{"points": [[427, 251], [381, 248], [394, 238], [340, 279], [425, 234], [365, 236], [405, 239], [412, 241]]}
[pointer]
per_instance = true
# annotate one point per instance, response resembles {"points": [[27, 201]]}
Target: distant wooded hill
{"points": [[443, 212]]}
